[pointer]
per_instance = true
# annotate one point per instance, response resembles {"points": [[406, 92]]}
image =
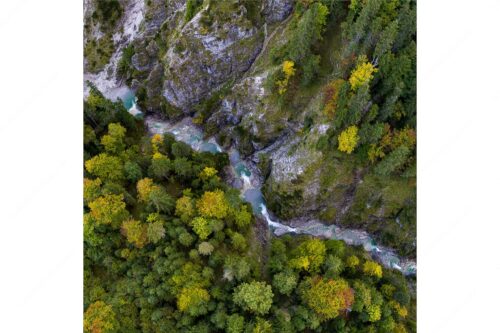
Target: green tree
{"points": [[256, 297], [309, 255], [160, 166], [184, 208], [285, 282], [238, 241], [243, 218], [113, 141], [160, 201], [235, 323], [193, 300], [392, 162], [105, 167], [155, 229], [201, 227], [236, 267], [136, 232], [262, 326], [91, 189], [205, 248], [133, 171]]}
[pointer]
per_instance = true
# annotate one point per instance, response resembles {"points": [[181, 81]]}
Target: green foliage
{"points": [[243, 218], [132, 171], [160, 166], [98, 52], [393, 161], [107, 13], [256, 297], [193, 300], [160, 201], [192, 6], [309, 255], [125, 68], [136, 232], [205, 248], [201, 227], [105, 167], [113, 141], [306, 33], [155, 230], [285, 282], [235, 324]]}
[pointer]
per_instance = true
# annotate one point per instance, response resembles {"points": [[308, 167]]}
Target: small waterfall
{"points": [[277, 225], [134, 110]]}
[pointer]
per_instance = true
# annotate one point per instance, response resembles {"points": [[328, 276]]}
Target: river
{"points": [[250, 186]]}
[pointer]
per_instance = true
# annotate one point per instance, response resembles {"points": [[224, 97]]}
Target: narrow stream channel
{"points": [[250, 184]]}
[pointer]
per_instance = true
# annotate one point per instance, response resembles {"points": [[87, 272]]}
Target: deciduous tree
{"points": [[348, 139], [105, 167], [328, 298], [213, 204], [108, 209], [256, 297], [100, 318]]}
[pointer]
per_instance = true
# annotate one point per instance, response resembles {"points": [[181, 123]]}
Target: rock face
{"points": [[207, 53], [246, 117], [294, 183], [277, 10]]}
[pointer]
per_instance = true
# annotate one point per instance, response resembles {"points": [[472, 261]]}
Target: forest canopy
{"points": [[176, 250]]}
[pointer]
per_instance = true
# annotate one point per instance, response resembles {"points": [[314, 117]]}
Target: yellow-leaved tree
{"points": [[207, 173], [363, 73], [371, 268], [193, 300], [328, 298], [156, 142], [100, 318], [288, 70], [348, 139], [213, 204], [144, 188]]}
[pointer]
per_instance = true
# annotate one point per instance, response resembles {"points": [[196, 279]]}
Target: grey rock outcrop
{"points": [[208, 53], [277, 10]]}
